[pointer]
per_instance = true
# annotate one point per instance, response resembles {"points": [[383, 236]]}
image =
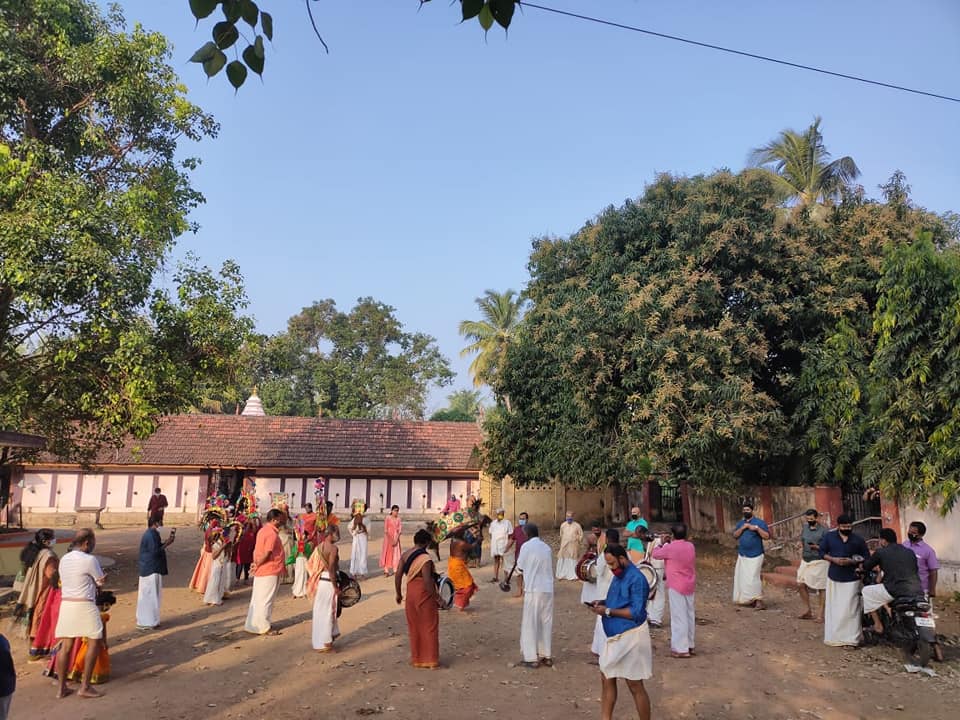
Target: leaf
{"points": [[253, 60], [471, 8], [258, 47], [266, 22], [486, 17], [202, 8], [503, 11], [231, 10], [236, 73], [249, 12], [205, 53], [215, 64], [225, 34]]}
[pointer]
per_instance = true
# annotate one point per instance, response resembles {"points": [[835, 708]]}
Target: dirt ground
{"points": [[749, 664]]}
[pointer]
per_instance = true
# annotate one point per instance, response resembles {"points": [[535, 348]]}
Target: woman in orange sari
{"points": [[390, 552], [422, 606]]}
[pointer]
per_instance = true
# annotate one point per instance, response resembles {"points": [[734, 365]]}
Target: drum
{"points": [[587, 567], [650, 573], [445, 590], [349, 591]]}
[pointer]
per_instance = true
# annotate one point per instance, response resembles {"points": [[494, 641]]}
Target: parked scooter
{"points": [[908, 624]]}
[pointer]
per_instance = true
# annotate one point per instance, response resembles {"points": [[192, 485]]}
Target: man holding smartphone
{"points": [[812, 573], [153, 566]]}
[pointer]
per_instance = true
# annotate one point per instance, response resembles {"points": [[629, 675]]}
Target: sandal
{"points": [[675, 654], [528, 664], [546, 662]]}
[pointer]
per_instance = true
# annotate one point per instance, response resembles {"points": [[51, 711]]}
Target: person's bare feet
{"points": [[806, 616], [759, 605], [63, 692], [89, 693]]}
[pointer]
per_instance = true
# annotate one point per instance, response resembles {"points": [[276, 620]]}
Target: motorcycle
{"points": [[908, 624]]}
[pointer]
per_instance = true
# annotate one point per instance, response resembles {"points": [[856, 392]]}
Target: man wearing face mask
{"points": [[635, 532], [750, 534], [812, 573], [571, 537], [626, 652], [844, 550], [927, 566], [500, 531], [517, 539]]}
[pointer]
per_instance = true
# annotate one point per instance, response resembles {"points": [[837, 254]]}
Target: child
{"points": [[358, 548], [243, 553], [101, 669]]}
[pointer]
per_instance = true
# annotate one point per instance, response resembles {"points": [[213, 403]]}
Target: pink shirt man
{"points": [[680, 558], [269, 546]]}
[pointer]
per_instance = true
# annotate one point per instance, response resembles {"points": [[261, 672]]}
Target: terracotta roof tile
{"points": [[227, 440]]}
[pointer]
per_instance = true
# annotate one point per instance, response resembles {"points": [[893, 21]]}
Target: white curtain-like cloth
{"points": [[300, 577], [747, 585], [262, 595], [148, 601], [358, 554], [536, 626], [325, 629], [682, 621], [875, 597], [566, 568], [628, 655], [79, 619], [813, 574], [841, 614]]}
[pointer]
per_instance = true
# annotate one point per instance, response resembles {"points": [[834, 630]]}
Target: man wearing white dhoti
{"points": [[812, 573], [604, 578], [680, 559], [152, 566], [750, 534], [500, 531], [535, 563], [844, 550], [80, 576], [626, 652], [267, 570], [658, 603], [323, 568], [571, 537]]}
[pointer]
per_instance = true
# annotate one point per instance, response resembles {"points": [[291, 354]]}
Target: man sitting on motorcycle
{"points": [[900, 576]]}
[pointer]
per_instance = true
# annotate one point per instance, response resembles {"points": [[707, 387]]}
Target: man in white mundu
{"points": [[750, 534], [500, 532], [627, 652], [267, 569], [844, 550], [571, 538], [153, 566], [80, 576], [535, 563], [323, 568]]}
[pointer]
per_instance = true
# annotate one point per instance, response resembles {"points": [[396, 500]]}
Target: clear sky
{"points": [[416, 161]]}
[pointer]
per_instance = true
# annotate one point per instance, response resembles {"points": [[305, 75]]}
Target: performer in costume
{"points": [[302, 553], [459, 574], [220, 549], [422, 605], [358, 545], [390, 552], [101, 667], [201, 572], [243, 551]]}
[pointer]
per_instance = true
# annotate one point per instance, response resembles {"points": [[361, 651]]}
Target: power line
{"points": [[732, 51]]}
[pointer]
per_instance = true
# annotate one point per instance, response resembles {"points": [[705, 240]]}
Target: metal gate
{"points": [[666, 502], [865, 511]]}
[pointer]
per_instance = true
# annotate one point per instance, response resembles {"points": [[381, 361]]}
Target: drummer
{"points": [[588, 590]]}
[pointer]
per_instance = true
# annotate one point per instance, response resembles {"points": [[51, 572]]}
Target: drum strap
{"points": [[413, 556]]}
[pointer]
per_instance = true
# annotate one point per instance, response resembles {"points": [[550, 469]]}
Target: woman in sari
{"points": [[201, 572], [422, 605], [40, 566], [390, 552]]}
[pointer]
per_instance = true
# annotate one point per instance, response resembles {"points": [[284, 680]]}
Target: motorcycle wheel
{"points": [[917, 652]]}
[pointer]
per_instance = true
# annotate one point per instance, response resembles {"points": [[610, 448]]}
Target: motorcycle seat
{"points": [[908, 602]]}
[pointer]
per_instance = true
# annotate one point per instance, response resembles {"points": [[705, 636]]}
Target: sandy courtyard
{"points": [[201, 664]]}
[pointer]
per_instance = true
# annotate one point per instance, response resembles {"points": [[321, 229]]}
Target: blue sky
{"points": [[416, 161]]}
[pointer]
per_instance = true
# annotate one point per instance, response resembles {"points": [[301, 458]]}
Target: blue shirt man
{"points": [[750, 543], [153, 555], [628, 590], [836, 544]]}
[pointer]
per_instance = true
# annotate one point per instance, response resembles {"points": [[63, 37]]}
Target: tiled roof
{"points": [[228, 440]]}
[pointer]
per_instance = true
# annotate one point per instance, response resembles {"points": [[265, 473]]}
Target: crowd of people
{"points": [[627, 575]]}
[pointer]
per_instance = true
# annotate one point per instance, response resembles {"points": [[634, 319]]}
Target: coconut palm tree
{"points": [[803, 172], [501, 314]]}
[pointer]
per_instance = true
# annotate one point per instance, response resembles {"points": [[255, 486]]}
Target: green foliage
{"points": [[462, 406], [92, 197], [501, 315], [697, 332], [226, 32], [358, 364]]}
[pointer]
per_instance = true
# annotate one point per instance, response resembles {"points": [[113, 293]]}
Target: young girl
{"points": [[358, 548], [243, 552], [101, 668], [220, 548]]}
